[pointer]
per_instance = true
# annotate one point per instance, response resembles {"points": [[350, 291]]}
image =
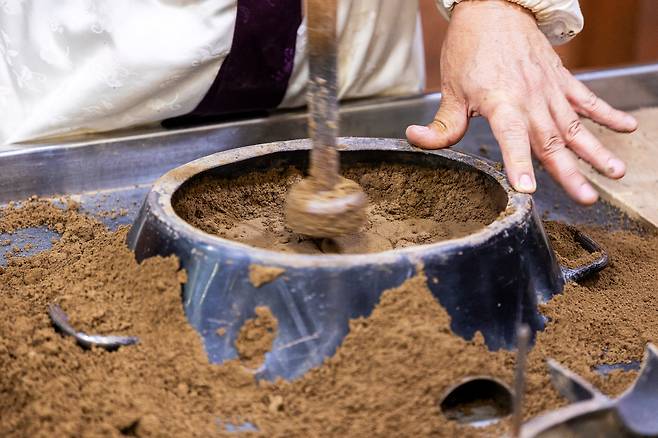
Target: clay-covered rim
{"points": [[517, 210]]}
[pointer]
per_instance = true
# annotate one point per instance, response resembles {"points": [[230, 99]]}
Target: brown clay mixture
{"points": [[256, 337], [407, 206], [569, 252], [260, 275], [385, 379]]}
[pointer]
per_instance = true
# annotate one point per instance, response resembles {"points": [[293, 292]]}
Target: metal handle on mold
{"points": [[580, 272]]}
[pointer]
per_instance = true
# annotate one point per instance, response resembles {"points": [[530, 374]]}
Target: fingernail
{"points": [[419, 129], [587, 193], [526, 184], [615, 166]]}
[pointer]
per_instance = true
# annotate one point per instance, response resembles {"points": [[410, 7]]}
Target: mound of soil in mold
{"points": [[408, 205], [386, 378]]}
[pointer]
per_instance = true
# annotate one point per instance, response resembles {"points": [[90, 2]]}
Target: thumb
{"points": [[447, 128]]}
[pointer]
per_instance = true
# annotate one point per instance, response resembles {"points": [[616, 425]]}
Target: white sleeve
{"points": [[380, 52], [94, 65], [559, 20]]}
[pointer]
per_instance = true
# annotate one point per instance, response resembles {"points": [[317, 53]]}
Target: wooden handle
{"points": [[322, 90]]}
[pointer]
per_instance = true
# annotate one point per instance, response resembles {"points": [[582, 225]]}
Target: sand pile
{"points": [[386, 378], [408, 205]]}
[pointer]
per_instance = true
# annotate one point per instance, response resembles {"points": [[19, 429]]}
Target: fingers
{"points": [[550, 148], [591, 106], [447, 128], [583, 142], [511, 132]]}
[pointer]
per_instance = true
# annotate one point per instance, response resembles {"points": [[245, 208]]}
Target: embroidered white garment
{"points": [[76, 66], [79, 66]]}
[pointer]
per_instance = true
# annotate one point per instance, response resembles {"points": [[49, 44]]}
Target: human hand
{"points": [[495, 62]]}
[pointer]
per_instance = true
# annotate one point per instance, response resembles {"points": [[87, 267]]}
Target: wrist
{"points": [[479, 12], [490, 5], [559, 20]]}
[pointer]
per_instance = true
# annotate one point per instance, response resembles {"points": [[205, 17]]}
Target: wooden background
{"points": [[617, 32]]}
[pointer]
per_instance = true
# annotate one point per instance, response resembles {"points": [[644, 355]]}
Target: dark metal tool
{"points": [[489, 281], [523, 342], [109, 342], [324, 204], [633, 414]]}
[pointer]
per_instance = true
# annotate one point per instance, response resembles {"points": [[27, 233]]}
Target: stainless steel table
{"points": [[114, 171]]}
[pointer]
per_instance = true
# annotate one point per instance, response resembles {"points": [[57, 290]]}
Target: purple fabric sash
{"points": [[254, 76]]}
